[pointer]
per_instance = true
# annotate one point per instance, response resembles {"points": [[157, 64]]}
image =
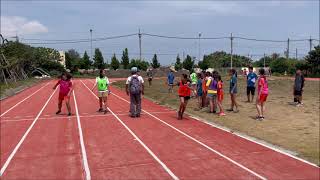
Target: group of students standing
{"points": [[207, 87]]}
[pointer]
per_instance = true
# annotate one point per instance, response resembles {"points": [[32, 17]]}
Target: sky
{"points": [[71, 19]]}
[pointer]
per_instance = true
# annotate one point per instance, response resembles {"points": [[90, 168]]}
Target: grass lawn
{"points": [[290, 127], [11, 88]]}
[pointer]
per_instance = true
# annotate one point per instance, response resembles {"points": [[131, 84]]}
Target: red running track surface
{"points": [[52, 150]]}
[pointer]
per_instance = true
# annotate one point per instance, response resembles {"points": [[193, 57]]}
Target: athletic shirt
{"points": [[170, 78], [65, 86], [199, 85], [263, 83], [184, 89], [102, 84], [220, 87], [194, 78], [212, 86], [251, 79]]}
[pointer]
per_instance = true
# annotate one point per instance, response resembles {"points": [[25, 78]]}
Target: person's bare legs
{"points": [[100, 102], [184, 107], [68, 105], [105, 101], [211, 104], [235, 101]]}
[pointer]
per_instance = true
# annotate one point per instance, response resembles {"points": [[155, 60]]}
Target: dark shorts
{"points": [[150, 79], [297, 93], [185, 97], [199, 93], [251, 90]]}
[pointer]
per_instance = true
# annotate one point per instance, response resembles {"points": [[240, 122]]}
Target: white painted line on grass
{"points": [[23, 100], [83, 149], [139, 140], [201, 143], [4, 167]]}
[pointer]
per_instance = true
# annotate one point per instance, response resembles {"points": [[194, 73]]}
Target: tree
{"points": [[73, 60], [115, 64], [155, 64], [313, 59], [140, 64], [188, 63], [98, 59], [125, 59], [178, 65], [85, 63], [279, 65], [204, 64]]}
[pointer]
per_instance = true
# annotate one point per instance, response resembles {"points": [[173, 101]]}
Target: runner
{"points": [[233, 90], [170, 81], [134, 89], [194, 80], [184, 94], [298, 87], [262, 94], [251, 81], [220, 96], [64, 92], [103, 89]]}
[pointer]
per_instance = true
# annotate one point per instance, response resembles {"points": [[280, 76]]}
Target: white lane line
{"points": [[255, 141], [83, 149], [4, 167], [201, 143], [139, 140], [23, 100]]}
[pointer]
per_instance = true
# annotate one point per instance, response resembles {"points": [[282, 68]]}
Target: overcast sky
{"points": [[277, 20]]}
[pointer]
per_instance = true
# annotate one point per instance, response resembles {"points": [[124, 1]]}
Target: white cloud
{"points": [[10, 25]]}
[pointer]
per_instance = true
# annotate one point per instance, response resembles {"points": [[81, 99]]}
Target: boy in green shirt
{"points": [[103, 84]]}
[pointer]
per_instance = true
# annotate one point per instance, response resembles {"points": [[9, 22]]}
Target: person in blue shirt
{"points": [[251, 82], [233, 90], [170, 81]]}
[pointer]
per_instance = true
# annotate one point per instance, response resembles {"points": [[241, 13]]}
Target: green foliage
{"points": [[178, 65], [140, 64], [73, 60], [188, 63], [98, 59], [155, 63], [313, 59], [85, 62], [115, 64], [125, 59], [205, 63], [259, 63], [279, 65]]}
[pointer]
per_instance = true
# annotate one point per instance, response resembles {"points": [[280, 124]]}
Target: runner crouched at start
{"points": [[103, 90], [65, 91]]}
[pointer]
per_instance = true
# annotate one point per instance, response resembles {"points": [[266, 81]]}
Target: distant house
{"points": [[62, 59]]}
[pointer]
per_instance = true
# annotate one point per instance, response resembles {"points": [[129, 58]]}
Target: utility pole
{"points": [[231, 38], [140, 45], [91, 44], [288, 43], [310, 41], [199, 47], [296, 53], [183, 56], [264, 60]]}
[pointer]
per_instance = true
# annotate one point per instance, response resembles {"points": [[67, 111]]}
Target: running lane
{"points": [[186, 159], [112, 151], [51, 150], [264, 161], [7, 103], [12, 124]]}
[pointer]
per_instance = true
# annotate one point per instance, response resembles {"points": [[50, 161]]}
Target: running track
{"points": [[37, 144]]}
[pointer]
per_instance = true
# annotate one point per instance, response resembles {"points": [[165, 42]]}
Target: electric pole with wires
{"points": [[231, 50], [140, 54], [91, 45]]}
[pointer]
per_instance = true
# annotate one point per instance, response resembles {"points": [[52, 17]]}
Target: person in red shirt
{"points": [[184, 94], [64, 92], [220, 96]]}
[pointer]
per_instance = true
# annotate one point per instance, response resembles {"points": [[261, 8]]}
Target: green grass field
{"points": [[290, 127]]}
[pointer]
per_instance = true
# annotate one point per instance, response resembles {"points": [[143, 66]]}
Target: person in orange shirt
{"points": [[220, 96]]}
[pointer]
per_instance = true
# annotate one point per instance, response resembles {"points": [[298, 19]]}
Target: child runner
{"points": [[103, 82], [204, 89], [262, 94], [184, 94], [199, 90], [212, 92], [65, 91], [220, 95], [194, 80], [251, 81], [298, 87], [233, 90]]}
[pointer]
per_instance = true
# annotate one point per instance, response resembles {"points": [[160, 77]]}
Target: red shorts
{"points": [[263, 97], [63, 96]]}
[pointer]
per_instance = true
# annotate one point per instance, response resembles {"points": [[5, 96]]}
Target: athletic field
{"points": [[37, 144]]}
